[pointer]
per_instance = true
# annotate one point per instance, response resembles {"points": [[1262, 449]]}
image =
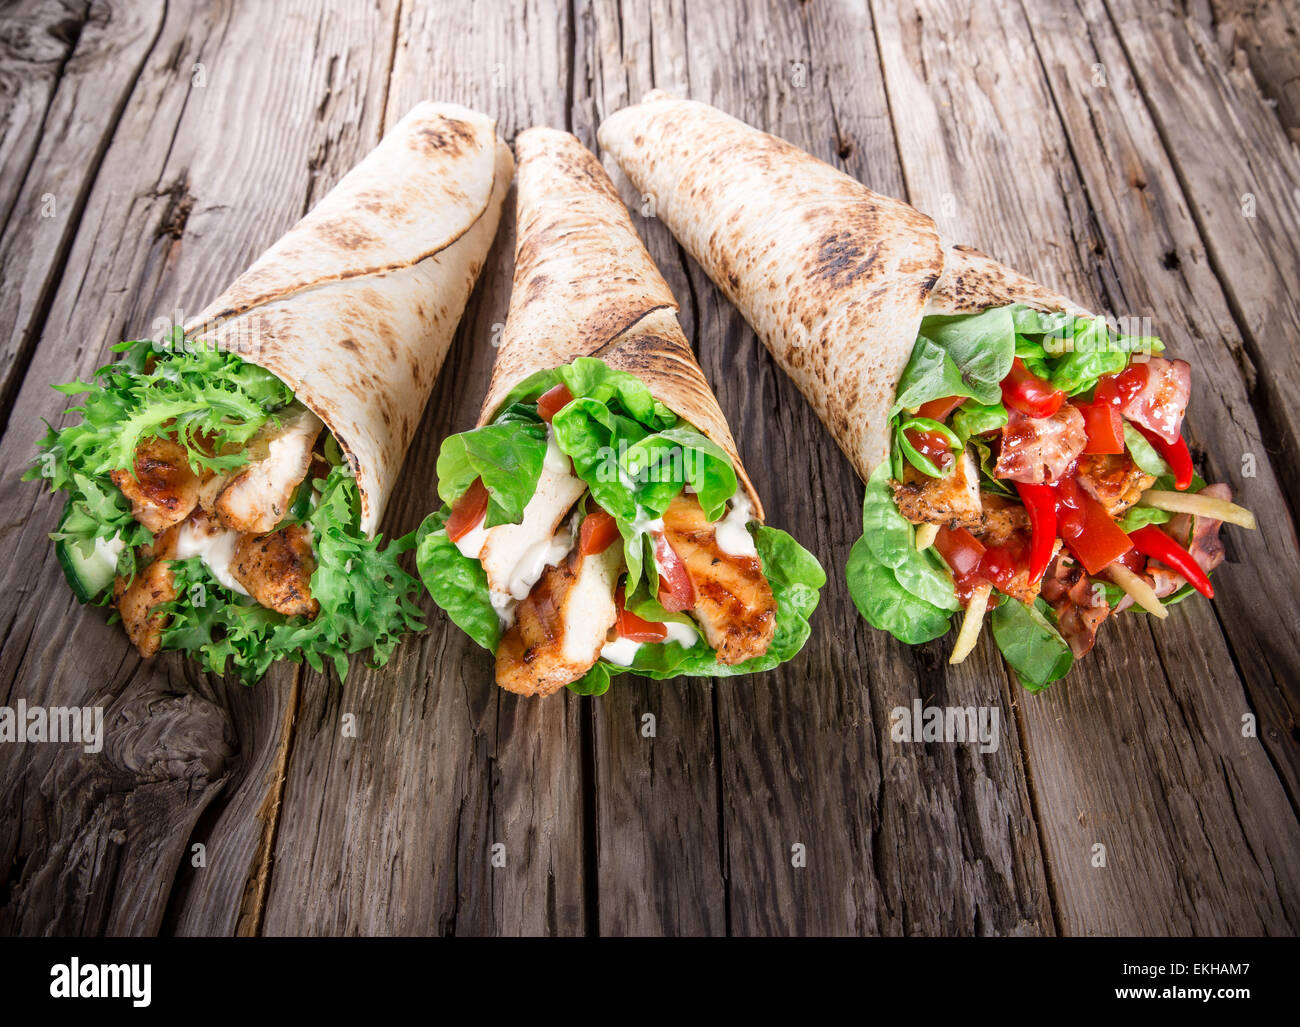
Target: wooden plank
{"points": [[1136, 749], [660, 868], [1143, 218], [393, 831], [65, 73], [1266, 35], [804, 752], [1243, 192], [177, 211]]}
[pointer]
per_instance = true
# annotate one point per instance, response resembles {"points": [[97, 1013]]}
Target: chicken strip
{"points": [[164, 489], [953, 500], [510, 553], [733, 601], [1114, 480], [561, 625], [137, 602], [276, 569], [255, 497]]}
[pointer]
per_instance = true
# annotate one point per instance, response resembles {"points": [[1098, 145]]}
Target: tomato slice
{"points": [[939, 409], [1105, 427], [468, 511], [629, 625], [553, 401], [1095, 540], [675, 590], [960, 550], [1024, 391], [598, 532]]}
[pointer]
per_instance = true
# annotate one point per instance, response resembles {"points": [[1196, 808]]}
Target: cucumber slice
{"points": [[88, 575]]}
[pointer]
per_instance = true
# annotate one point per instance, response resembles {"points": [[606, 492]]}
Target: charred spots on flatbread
{"points": [[347, 235], [450, 137], [842, 258], [536, 287]]}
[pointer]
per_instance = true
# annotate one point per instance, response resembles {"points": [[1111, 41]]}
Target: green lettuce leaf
{"points": [[507, 455], [1030, 644]]}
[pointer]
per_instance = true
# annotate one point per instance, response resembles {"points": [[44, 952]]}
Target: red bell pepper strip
{"points": [[1105, 427], [1095, 540], [1040, 504], [1032, 396], [1175, 454], [1154, 543]]}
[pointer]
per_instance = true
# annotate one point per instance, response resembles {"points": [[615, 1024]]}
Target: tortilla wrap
{"points": [[585, 286], [356, 305], [833, 277]]}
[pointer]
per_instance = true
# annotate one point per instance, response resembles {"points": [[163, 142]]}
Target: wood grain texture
{"points": [[1244, 192], [66, 70], [1126, 195], [394, 831], [1119, 707]]}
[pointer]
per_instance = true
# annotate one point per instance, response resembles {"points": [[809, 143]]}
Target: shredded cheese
{"points": [[971, 624], [925, 534], [1140, 592], [1198, 505]]}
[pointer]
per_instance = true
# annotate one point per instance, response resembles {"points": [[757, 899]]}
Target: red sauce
{"points": [[932, 445]]}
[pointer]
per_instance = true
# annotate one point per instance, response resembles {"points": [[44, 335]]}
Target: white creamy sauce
{"points": [[216, 550], [109, 549], [644, 523], [683, 633], [620, 652], [556, 459], [530, 567], [534, 561], [732, 536], [471, 543]]}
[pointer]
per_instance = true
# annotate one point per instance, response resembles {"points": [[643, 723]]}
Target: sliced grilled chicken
{"points": [[1114, 480], [255, 498], [733, 601], [164, 489], [137, 603], [505, 551], [954, 500], [276, 570], [561, 624]]}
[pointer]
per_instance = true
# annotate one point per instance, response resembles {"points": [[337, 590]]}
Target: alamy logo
{"points": [[946, 724], [106, 980], [83, 725]]}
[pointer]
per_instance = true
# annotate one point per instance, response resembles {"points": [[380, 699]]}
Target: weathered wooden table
{"points": [[1137, 155]]}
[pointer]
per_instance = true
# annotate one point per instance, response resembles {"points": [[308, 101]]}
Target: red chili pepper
{"points": [[1040, 504], [1154, 543], [1175, 454], [1032, 396]]}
